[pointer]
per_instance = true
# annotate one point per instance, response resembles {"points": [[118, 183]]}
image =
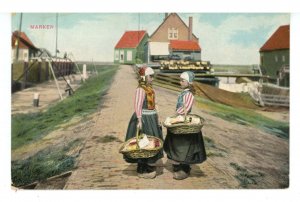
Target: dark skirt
{"points": [[185, 148], [149, 127]]}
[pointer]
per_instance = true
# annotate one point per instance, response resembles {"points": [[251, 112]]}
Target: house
{"points": [[173, 36], [26, 49], [275, 56], [130, 48]]}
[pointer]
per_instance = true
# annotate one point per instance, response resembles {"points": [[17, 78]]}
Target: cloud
{"points": [[87, 39], [218, 44]]}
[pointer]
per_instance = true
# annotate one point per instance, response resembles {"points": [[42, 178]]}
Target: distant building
{"points": [[130, 48], [26, 48], [275, 56], [173, 36]]}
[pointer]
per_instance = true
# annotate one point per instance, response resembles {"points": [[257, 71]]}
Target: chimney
{"points": [[190, 28], [166, 15]]}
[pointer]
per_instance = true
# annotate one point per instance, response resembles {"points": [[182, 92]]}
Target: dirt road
{"points": [[257, 159]]}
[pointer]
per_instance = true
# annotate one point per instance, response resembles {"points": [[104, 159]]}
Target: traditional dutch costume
{"points": [[144, 109], [184, 149]]}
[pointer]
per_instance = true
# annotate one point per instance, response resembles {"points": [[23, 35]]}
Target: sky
{"points": [[225, 38]]}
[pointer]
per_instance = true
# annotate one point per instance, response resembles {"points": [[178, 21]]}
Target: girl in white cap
{"points": [[146, 119], [184, 149]]}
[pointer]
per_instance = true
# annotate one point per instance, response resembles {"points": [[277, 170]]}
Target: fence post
{"points": [[84, 72], [36, 99], [39, 72], [25, 65]]}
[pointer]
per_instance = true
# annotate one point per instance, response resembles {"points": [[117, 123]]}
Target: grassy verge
{"points": [[240, 115], [27, 128], [245, 177], [245, 117], [30, 127], [44, 164]]}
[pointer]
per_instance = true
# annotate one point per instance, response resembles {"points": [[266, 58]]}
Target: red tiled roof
{"points": [[130, 39], [184, 45], [279, 40], [24, 40]]}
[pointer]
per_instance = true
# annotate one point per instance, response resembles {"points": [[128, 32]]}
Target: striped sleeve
{"points": [[138, 103], [188, 99]]}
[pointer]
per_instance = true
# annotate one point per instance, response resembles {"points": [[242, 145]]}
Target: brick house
{"points": [[173, 36], [275, 56]]}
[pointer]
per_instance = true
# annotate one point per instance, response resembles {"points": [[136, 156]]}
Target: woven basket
{"points": [[186, 127], [141, 152]]}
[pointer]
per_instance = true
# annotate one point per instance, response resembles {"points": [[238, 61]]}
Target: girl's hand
{"points": [[139, 125]]}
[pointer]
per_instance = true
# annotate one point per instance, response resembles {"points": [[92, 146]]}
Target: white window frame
{"points": [[283, 58], [172, 33]]}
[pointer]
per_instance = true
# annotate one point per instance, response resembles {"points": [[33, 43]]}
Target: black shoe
{"points": [[149, 169], [176, 167], [186, 168], [146, 171], [140, 168]]}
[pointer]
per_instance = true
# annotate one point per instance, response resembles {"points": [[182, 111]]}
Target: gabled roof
{"points": [[184, 45], [279, 40], [130, 39], [166, 20], [25, 42]]}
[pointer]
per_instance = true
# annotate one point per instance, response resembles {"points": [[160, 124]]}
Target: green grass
{"points": [[31, 127], [245, 177], [245, 117], [44, 164]]}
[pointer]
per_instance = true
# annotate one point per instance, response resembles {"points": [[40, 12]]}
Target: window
{"points": [[129, 55], [283, 58], [172, 33], [276, 58]]}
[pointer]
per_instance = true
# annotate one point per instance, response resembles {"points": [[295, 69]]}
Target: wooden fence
{"points": [[24, 74], [276, 100]]}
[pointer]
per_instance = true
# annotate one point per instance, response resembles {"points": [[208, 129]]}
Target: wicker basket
{"points": [[141, 152], [186, 127]]}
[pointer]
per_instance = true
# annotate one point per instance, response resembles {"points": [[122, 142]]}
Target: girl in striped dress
{"points": [[184, 149], [146, 119]]}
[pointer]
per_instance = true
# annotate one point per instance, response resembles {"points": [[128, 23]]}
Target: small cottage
{"points": [[22, 47], [130, 48]]}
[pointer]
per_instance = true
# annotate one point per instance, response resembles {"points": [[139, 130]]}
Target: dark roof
{"points": [[184, 45], [25, 42], [279, 40], [130, 39]]}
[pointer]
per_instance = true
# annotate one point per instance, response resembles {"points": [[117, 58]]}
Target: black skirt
{"points": [[150, 127], [185, 148]]}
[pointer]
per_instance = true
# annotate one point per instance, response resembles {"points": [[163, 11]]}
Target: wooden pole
{"points": [[57, 86]]}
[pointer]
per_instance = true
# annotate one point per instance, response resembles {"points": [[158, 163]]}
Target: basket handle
{"points": [[138, 132]]}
